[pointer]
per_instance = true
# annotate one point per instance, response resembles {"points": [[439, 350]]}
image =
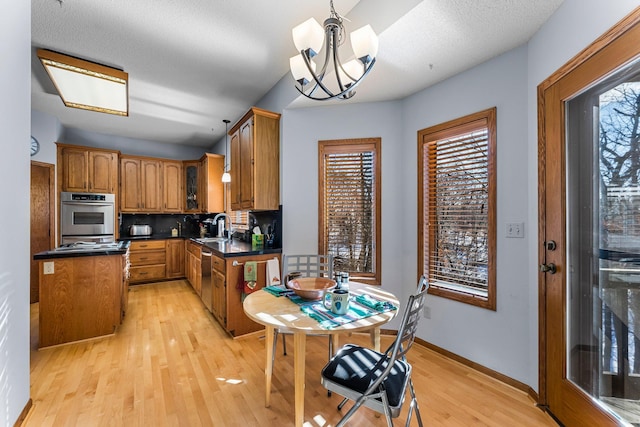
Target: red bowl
{"points": [[311, 288]]}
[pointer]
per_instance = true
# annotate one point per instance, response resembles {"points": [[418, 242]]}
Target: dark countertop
{"points": [[82, 252], [155, 236], [237, 248], [221, 249]]}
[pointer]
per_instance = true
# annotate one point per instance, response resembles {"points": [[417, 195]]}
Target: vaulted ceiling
{"points": [[193, 63]]}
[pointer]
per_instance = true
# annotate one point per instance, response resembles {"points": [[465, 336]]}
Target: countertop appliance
{"points": [[206, 284], [87, 217], [140, 230]]}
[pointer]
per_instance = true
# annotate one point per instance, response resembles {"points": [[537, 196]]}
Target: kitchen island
{"points": [[83, 292]]}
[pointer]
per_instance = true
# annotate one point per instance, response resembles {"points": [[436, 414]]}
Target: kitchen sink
{"points": [[212, 240]]}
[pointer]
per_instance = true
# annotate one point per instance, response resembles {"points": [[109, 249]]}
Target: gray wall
{"points": [[15, 105], [505, 340]]}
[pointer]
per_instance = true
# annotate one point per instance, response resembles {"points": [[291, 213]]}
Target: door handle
{"points": [[548, 268]]}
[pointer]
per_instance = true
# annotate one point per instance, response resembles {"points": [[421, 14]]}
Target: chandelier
{"points": [[309, 38]]}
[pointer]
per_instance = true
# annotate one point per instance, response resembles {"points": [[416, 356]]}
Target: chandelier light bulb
{"points": [[308, 35], [364, 43]]}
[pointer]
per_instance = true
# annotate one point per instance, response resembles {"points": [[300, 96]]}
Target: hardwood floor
{"points": [[171, 364]]}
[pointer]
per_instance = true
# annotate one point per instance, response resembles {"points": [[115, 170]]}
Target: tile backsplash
{"points": [[189, 224]]}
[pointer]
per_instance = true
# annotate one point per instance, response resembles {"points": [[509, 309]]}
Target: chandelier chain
{"points": [[336, 16]]}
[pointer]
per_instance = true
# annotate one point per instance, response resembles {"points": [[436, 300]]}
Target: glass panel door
{"points": [[603, 243]]}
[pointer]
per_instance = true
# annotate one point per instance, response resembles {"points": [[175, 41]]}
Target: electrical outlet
{"points": [[48, 267], [515, 229], [426, 312]]}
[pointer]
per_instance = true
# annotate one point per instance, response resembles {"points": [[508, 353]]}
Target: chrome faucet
{"points": [[215, 221]]}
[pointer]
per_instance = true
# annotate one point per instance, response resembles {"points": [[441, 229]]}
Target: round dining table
{"points": [[279, 312]]}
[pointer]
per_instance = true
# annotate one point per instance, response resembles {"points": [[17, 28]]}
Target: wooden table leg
{"points": [[299, 342], [268, 366], [335, 342], [375, 338]]}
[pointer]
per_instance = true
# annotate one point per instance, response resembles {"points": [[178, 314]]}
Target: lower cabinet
{"points": [[152, 260], [193, 269], [237, 323], [226, 297], [148, 261], [175, 258], [219, 294]]}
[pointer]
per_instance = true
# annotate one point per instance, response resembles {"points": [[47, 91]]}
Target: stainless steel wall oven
{"points": [[87, 217]]}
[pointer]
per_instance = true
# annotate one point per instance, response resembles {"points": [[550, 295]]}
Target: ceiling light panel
{"points": [[87, 85]]}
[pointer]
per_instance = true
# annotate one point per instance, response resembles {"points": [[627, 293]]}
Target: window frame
{"points": [[353, 146], [456, 127]]}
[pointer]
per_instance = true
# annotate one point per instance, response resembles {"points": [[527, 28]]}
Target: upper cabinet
{"points": [[141, 184], [172, 186], [203, 188], [211, 187], [255, 161], [191, 170], [84, 169]]}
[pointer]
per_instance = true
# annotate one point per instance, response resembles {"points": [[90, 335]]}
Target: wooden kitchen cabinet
{"points": [[89, 170], [219, 285], [140, 184], [80, 298], [191, 181], [211, 187], [255, 161], [193, 265], [237, 323], [175, 258], [148, 261], [172, 186]]}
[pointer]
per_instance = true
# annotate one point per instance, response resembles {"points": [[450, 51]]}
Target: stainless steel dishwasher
{"points": [[206, 290]]}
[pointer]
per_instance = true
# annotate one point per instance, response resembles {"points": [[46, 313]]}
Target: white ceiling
{"points": [[193, 63]]}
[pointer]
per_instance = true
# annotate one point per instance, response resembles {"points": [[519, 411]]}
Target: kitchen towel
{"points": [[250, 277], [273, 272]]}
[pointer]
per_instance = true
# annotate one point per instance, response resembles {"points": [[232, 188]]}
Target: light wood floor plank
{"points": [[171, 364]]}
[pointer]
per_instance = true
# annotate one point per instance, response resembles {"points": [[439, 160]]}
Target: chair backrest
{"points": [[411, 317], [314, 265]]}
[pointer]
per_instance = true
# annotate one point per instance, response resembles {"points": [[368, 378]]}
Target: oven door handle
{"points": [[87, 204]]}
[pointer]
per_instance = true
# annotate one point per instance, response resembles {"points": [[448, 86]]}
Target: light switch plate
{"points": [[48, 267], [515, 229]]}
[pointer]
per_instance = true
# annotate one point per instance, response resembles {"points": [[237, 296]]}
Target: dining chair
{"points": [[314, 265], [378, 380]]}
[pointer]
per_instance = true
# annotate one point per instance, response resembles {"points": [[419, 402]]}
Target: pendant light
{"points": [[226, 177]]}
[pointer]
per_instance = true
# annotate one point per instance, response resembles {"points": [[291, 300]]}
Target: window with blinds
{"points": [[457, 177], [349, 206]]}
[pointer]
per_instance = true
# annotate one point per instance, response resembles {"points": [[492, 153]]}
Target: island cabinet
{"points": [[237, 323], [148, 261], [193, 263], [87, 170], [80, 297], [255, 161]]}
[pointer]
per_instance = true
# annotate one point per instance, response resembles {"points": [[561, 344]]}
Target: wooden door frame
{"points": [[52, 198], [608, 38]]}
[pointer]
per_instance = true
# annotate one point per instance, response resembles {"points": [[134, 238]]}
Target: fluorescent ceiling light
{"points": [[87, 85]]}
